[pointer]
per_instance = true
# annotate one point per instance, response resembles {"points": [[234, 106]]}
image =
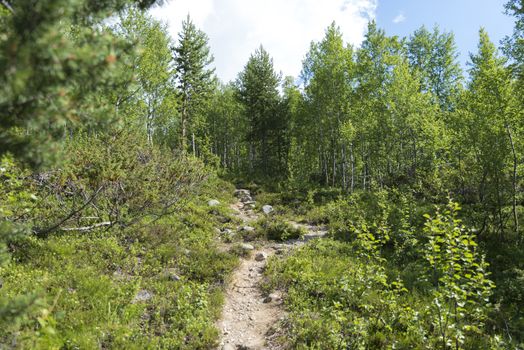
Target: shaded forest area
{"points": [[114, 136]]}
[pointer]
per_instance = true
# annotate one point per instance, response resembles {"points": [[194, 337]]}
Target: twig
{"points": [[87, 228], [7, 6], [73, 213]]}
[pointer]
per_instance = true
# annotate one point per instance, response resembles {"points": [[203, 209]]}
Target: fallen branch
{"points": [[73, 213], [87, 228], [7, 6]]}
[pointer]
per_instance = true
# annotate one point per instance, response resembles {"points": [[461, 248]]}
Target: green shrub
{"points": [[275, 228]]}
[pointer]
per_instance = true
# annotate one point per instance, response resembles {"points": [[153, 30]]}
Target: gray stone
{"points": [[213, 203], [228, 347], [242, 193], [246, 200], [247, 246], [247, 229], [172, 275], [142, 295], [267, 209], [261, 256], [228, 232]]}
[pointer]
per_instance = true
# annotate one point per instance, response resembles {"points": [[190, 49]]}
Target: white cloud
{"points": [[400, 18], [236, 28]]}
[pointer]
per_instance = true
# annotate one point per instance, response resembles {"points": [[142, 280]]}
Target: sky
{"points": [[236, 28]]}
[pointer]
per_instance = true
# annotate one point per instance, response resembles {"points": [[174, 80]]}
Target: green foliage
{"points": [[338, 301], [54, 66], [462, 289], [150, 99], [87, 284], [194, 81], [434, 56], [267, 126], [342, 295], [276, 228]]}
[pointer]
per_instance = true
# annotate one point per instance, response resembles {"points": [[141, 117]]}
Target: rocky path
{"points": [[249, 318]]}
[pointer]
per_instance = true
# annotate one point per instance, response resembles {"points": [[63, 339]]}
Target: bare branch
{"points": [[7, 6], [87, 228], [73, 213]]}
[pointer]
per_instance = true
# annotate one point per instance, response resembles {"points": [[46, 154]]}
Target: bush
{"points": [[275, 228]]}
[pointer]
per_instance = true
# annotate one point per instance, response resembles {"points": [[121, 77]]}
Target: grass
{"points": [[87, 284]]}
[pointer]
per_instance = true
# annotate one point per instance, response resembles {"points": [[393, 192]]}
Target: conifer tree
{"points": [[194, 80], [258, 86]]}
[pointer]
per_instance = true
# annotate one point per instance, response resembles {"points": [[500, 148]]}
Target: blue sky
{"points": [[236, 28], [462, 17]]}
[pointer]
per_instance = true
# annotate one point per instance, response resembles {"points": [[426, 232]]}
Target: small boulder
{"points": [[261, 256], [247, 200], [247, 229], [171, 274], [213, 203], [246, 246], [267, 209], [228, 232], [228, 347], [249, 204], [242, 193], [142, 295]]}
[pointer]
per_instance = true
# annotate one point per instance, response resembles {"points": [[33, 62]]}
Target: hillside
{"points": [[374, 202]]}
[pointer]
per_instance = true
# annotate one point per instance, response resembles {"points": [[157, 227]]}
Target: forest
{"points": [[120, 153]]}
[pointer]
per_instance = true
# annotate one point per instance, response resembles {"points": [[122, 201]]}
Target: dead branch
{"points": [[87, 228]]}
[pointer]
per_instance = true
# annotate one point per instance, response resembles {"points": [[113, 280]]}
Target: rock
{"points": [[261, 256], [247, 229], [217, 230], [213, 203], [247, 199], [142, 295], [228, 232], [242, 193], [250, 203], [171, 274], [267, 209], [246, 246], [275, 297], [272, 297], [228, 347]]}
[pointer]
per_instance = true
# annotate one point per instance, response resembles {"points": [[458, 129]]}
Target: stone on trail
{"points": [[261, 256], [247, 229], [228, 347], [247, 246], [241, 193], [247, 200]]}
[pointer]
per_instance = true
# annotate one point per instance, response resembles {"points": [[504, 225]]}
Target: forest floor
{"points": [[250, 318]]}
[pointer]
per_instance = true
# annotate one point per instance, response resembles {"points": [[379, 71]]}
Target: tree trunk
{"points": [[514, 178]]}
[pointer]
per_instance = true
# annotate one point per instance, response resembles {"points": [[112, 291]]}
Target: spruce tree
{"points": [[193, 78], [258, 86]]}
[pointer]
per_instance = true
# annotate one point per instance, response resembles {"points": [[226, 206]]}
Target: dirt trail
{"points": [[248, 317]]}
